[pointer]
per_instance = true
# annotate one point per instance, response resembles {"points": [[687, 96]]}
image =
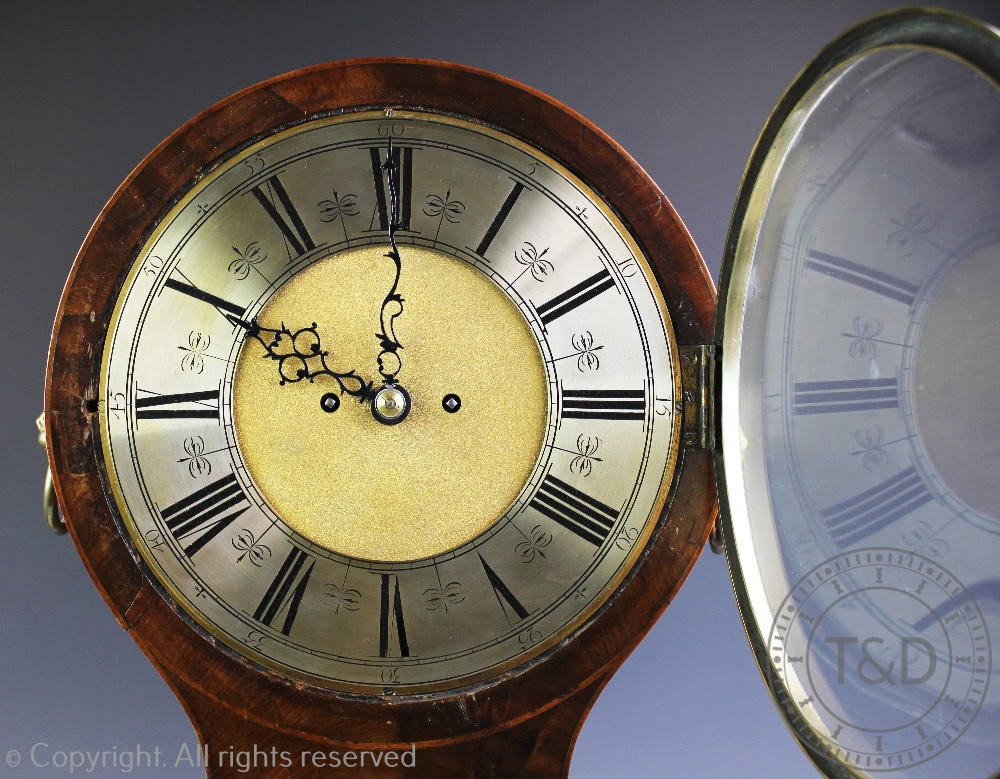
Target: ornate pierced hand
{"points": [[389, 361], [300, 355]]}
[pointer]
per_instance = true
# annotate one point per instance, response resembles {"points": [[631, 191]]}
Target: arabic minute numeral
{"points": [[117, 404], [628, 267], [627, 537], [253, 165], [152, 266], [154, 539]]}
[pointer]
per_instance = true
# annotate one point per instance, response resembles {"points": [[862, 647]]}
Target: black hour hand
{"points": [[300, 355]]}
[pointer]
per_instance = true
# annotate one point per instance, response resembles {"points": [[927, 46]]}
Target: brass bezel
{"points": [[181, 605], [955, 35]]}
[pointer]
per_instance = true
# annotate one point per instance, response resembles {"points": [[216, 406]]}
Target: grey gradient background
{"points": [[86, 90]]}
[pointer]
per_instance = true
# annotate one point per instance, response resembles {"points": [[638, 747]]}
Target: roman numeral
{"points": [[871, 510], [832, 397], [155, 406], [286, 591], [574, 510], [627, 405], [391, 618], [503, 593], [575, 296], [291, 227], [499, 219], [213, 300], [402, 159], [860, 276], [205, 513]]}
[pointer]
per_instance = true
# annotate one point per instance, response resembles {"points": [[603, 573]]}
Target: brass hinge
{"points": [[698, 385]]}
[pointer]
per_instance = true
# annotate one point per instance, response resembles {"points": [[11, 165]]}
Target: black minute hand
{"points": [[389, 361]]}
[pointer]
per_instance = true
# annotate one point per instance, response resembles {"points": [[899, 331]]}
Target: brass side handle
{"points": [[50, 506]]}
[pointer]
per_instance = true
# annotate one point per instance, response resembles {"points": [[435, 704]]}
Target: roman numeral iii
{"points": [[621, 405], [834, 397]]}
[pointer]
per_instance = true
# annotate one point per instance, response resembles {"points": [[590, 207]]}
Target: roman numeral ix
{"points": [[871, 510], [590, 519], [205, 513], [158, 406]]}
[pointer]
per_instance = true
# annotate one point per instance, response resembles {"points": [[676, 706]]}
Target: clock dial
{"points": [[519, 486], [860, 437]]}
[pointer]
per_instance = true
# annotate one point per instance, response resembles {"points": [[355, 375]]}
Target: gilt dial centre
{"points": [[443, 478]]}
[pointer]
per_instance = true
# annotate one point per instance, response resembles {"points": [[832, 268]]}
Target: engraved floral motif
{"points": [[443, 597], [246, 260], [444, 208], [583, 345], [915, 227], [193, 360], [870, 442], [921, 540], [534, 260], [342, 597], [538, 539], [339, 207], [865, 333], [253, 551], [587, 447], [197, 463]]}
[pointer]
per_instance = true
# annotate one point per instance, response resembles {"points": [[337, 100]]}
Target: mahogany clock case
{"points": [[707, 219], [193, 665]]}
